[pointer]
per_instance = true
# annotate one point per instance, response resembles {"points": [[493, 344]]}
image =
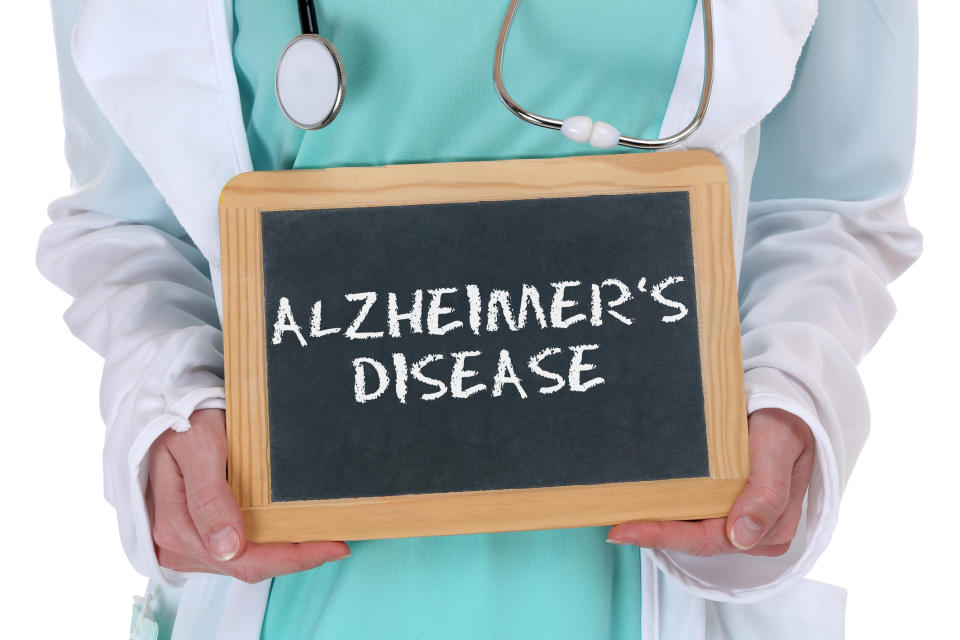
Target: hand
{"points": [[197, 523], [763, 519]]}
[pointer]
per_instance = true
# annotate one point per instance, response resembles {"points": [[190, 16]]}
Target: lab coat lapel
{"points": [[162, 73], [757, 46]]}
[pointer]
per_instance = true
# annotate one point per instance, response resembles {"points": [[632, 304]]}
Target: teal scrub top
{"points": [[420, 89]]}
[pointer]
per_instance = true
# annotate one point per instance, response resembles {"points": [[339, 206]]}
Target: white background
{"points": [[895, 548]]}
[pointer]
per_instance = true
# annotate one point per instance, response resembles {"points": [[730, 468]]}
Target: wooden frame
{"points": [[698, 173]]}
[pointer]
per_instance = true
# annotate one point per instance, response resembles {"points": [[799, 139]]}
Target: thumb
{"points": [[765, 496], [201, 454], [754, 513], [216, 515]]}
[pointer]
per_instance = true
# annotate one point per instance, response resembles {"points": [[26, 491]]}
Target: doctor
{"points": [[813, 118]]}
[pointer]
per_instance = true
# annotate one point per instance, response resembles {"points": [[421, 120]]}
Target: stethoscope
{"points": [[310, 84]]}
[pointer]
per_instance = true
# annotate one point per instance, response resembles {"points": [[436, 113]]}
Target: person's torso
{"points": [[420, 89]]}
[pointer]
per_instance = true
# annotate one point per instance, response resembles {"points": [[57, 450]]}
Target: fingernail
{"points": [[746, 533], [616, 541], [224, 543]]}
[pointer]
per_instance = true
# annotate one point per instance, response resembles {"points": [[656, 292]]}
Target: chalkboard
{"points": [[534, 343]]}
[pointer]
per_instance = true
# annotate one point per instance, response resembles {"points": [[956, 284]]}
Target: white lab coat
{"points": [[153, 121]]}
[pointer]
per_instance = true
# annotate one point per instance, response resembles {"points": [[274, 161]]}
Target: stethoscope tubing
{"points": [[309, 29], [626, 141], [308, 17]]}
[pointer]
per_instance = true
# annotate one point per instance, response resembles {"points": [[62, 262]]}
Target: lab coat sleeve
{"points": [[826, 234], [142, 298]]}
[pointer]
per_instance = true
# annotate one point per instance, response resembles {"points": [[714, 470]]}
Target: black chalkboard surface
{"points": [[648, 400], [488, 348]]}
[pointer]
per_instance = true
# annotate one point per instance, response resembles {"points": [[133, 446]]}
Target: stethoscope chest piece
{"points": [[310, 81]]}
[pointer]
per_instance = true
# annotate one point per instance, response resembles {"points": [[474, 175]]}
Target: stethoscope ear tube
{"points": [[308, 17]]}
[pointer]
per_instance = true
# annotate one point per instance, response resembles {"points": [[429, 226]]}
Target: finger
{"points": [[698, 538], [180, 562], [774, 450], [694, 538], [768, 551], [261, 561]]}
